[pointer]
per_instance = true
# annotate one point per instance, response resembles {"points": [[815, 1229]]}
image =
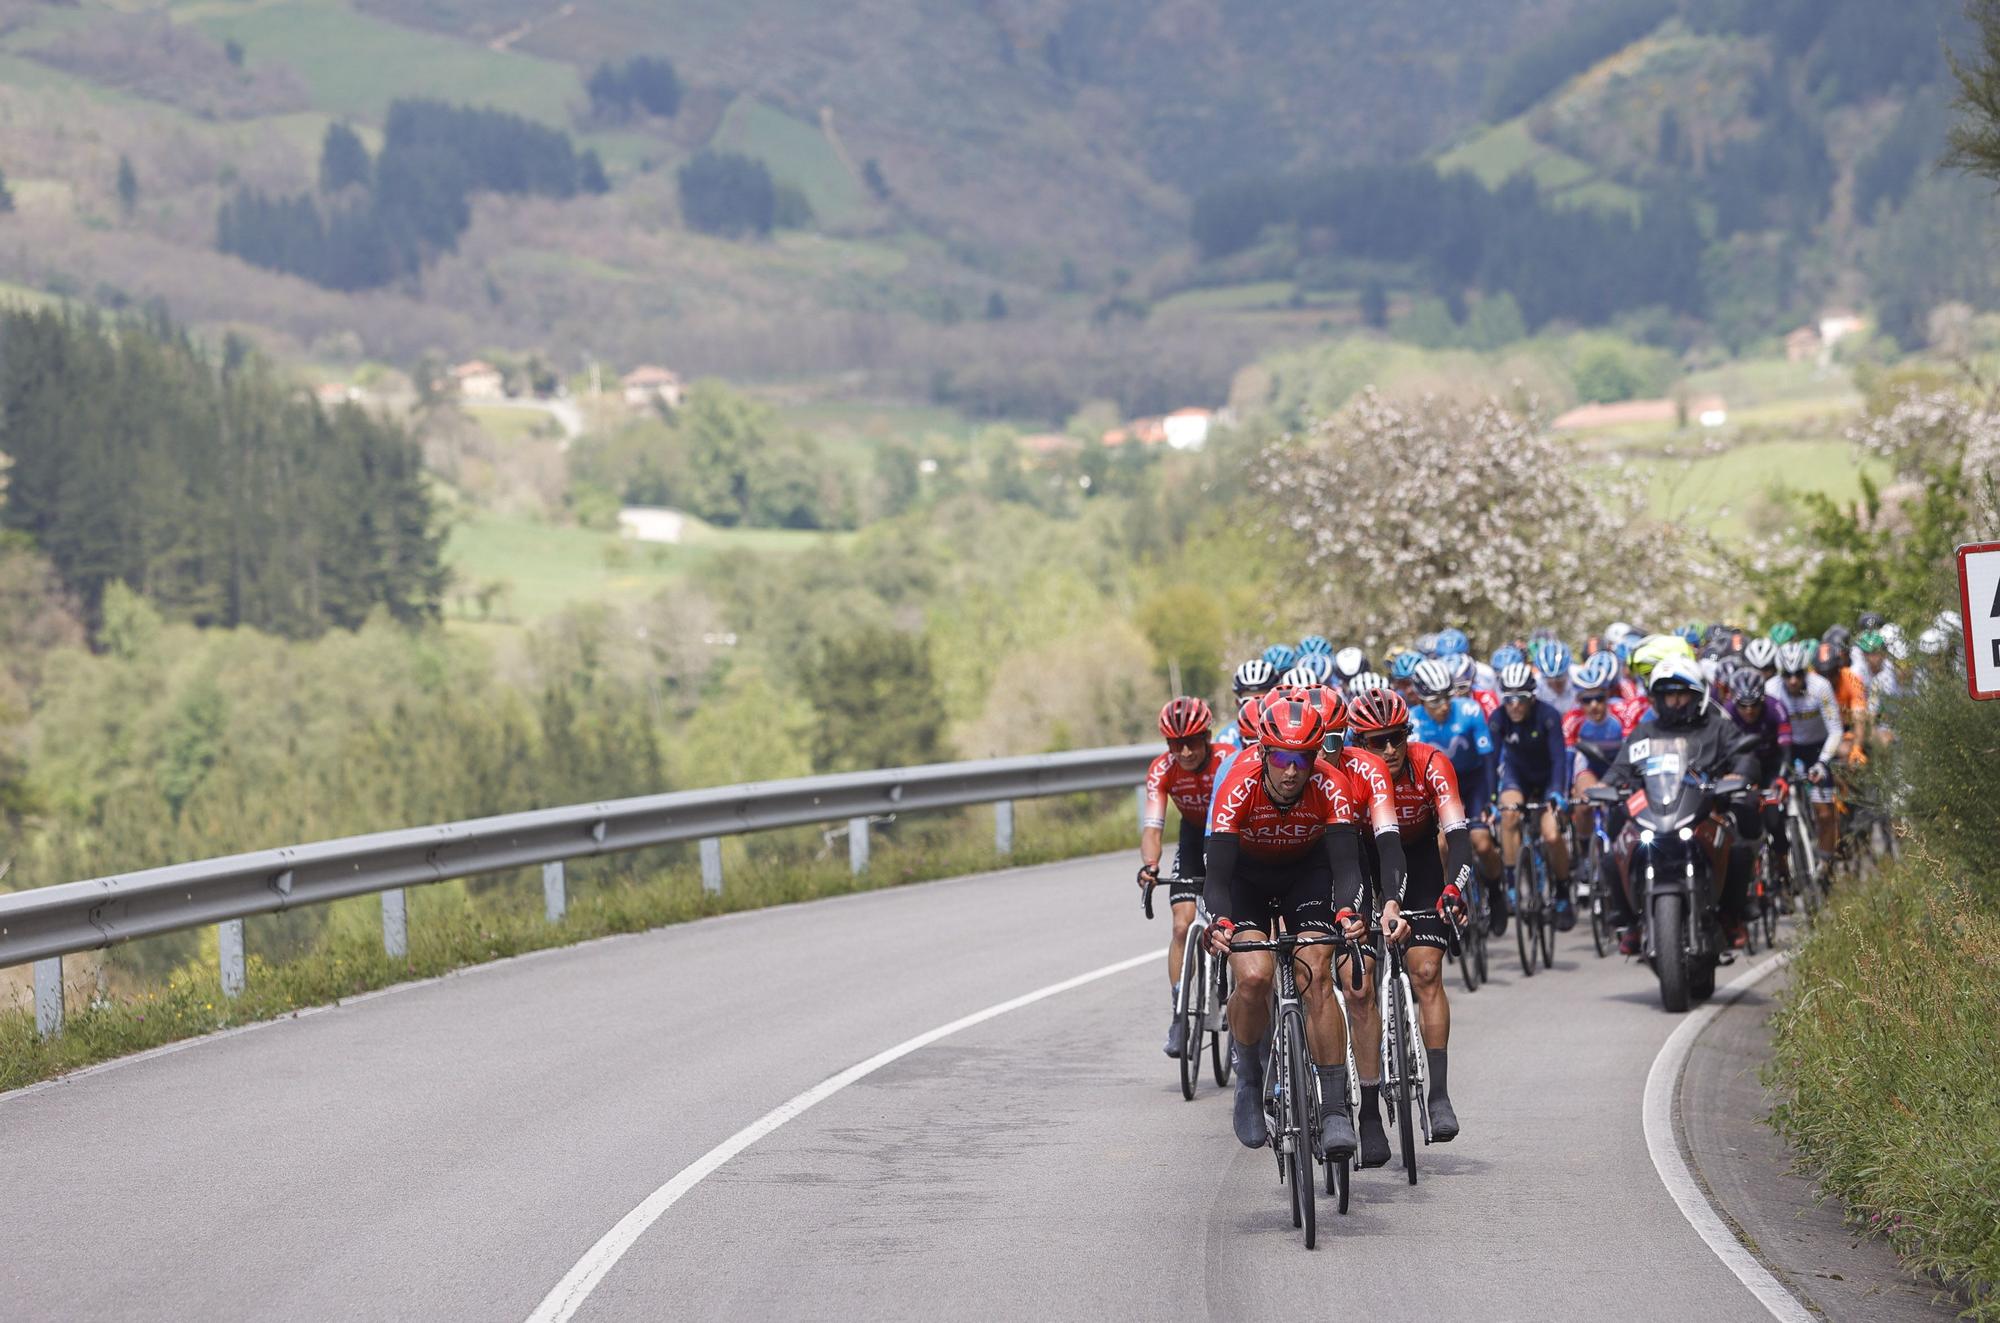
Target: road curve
{"points": [[452, 1150]]}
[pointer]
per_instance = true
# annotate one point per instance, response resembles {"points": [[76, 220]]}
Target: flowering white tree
{"points": [[1925, 432], [1409, 517]]}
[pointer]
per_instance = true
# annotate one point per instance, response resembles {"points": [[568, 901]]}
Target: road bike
{"points": [[1406, 1070], [1598, 867], [1202, 1002], [1291, 1084], [1471, 959], [1534, 899]]}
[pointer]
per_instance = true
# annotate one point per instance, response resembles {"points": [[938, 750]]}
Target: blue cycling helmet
{"points": [[1453, 643], [1460, 667], [1690, 634], [1597, 671], [1404, 664], [1282, 656], [1506, 656], [1316, 664], [1551, 658], [1312, 643], [1623, 648], [1427, 644]]}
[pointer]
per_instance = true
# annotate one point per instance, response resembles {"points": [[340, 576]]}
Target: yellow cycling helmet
{"points": [[1656, 648]]}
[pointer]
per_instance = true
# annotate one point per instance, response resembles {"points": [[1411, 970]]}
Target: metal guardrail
{"points": [[44, 924]]}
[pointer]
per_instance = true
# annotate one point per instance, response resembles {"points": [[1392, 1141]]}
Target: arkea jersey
{"points": [[1166, 779], [1426, 792], [1270, 832], [1488, 700]]}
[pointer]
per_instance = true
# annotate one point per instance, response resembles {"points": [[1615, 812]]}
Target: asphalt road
{"points": [[451, 1150]]}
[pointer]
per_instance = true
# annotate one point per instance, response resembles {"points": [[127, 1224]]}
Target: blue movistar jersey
{"points": [[1464, 736]]}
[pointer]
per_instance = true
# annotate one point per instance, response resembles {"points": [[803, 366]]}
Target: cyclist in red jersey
{"points": [[1185, 774], [1437, 849], [1284, 839]]}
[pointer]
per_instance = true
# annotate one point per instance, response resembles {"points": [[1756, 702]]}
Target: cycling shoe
{"points": [[1176, 1036], [1248, 1117], [1336, 1132], [1496, 917], [1565, 916], [1374, 1139], [1444, 1121]]}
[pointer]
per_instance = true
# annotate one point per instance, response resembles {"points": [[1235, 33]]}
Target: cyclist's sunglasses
{"points": [[1517, 698], [1187, 742], [1291, 760], [1748, 701], [1595, 696], [1384, 739]]}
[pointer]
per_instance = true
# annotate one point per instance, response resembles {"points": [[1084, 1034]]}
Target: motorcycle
{"points": [[1668, 841]]}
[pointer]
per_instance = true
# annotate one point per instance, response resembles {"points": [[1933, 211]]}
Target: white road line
{"points": [[1661, 1082], [576, 1286]]}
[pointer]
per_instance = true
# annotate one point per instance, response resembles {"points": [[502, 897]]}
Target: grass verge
{"points": [[1885, 1055], [456, 924]]}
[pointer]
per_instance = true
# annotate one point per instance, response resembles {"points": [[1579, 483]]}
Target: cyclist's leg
{"points": [[1558, 850], [1192, 872], [1510, 824], [1424, 958]]}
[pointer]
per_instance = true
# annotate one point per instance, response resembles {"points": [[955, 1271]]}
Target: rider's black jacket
{"points": [[1716, 748]]}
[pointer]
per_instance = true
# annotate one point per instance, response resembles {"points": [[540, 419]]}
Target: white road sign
{"points": [[1979, 603]]}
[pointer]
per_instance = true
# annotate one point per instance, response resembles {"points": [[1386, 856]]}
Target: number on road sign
{"points": [[1979, 581]]}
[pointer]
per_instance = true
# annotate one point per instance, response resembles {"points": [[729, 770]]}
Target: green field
{"points": [[357, 65], [797, 153], [547, 567], [1495, 155], [1732, 494], [513, 425]]}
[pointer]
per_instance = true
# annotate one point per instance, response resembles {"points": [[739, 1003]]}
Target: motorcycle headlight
{"points": [[1646, 836], [1687, 833]]}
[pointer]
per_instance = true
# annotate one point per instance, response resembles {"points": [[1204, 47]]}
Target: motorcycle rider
{"points": [[1683, 710]]}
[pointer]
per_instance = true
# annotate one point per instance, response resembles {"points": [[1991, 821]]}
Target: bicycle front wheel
{"points": [[1218, 1038], [1525, 939], [1545, 907], [1600, 926], [1302, 1119], [1401, 1084]]}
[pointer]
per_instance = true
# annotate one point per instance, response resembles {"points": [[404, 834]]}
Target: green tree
{"points": [[128, 186], [1375, 304], [1606, 376], [343, 160], [1185, 626], [1862, 560], [877, 702]]}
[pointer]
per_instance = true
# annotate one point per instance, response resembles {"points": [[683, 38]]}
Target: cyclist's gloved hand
{"points": [[1816, 773], [1394, 926], [1451, 898], [1558, 802], [1220, 930], [1352, 925], [1149, 874]]}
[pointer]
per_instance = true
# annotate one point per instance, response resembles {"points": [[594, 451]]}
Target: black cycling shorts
{"points": [[1425, 866], [1299, 891], [1190, 868]]}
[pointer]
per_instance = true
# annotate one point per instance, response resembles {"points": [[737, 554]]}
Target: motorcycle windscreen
{"points": [[1665, 770]]}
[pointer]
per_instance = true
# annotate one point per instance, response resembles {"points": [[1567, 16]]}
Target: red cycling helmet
{"points": [[1333, 709], [1246, 718], [1185, 717], [1289, 719], [1378, 710]]}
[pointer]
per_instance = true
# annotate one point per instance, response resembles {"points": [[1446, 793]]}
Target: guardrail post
{"points": [[395, 924], [229, 945], [711, 865], [857, 846], [48, 997], [1003, 826], [555, 900]]}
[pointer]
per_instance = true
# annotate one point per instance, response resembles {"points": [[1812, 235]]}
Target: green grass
{"points": [[550, 566], [1884, 1066], [1496, 154], [1723, 492], [356, 65], [797, 153], [453, 925], [513, 425]]}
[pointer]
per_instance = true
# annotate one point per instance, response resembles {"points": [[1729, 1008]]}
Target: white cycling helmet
{"points": [[1760, 652], [1348, 663], [1517, 678], [1364, 682], [1298, 677], [1254, 677], [1432, 679]]}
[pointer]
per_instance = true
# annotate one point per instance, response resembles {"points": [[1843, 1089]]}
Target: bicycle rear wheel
{"points": [[1305, 1191], [1190, 1062], [1600, 924]]}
